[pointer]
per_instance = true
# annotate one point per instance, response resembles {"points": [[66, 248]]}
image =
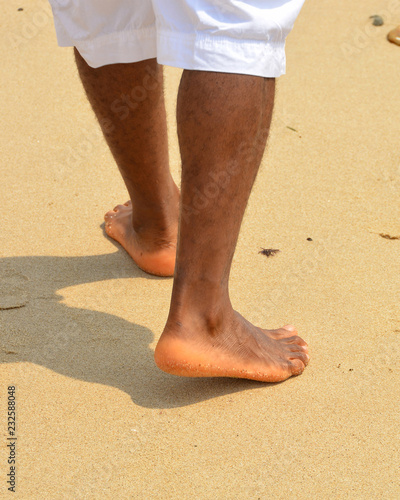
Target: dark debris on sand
{"points": [[389, 236], [269, 252]]}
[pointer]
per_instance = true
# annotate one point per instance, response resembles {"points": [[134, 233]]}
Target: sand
{"points": [[79, 321]]}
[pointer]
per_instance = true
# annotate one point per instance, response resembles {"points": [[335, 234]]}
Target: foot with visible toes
{"points": [[152, 245], [229, 346]]}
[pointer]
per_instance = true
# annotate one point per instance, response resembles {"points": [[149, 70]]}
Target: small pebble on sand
{"points": [[376, 20], [394, 36]]}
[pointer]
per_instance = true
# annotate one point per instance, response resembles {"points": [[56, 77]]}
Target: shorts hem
{"points": [[119, 47], [193, 52], [222, 54]]}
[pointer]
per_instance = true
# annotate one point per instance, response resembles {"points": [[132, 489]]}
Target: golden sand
{"points": [[95, 418]]}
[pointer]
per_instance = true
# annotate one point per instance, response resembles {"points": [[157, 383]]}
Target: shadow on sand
{"points": [[91, 346]]}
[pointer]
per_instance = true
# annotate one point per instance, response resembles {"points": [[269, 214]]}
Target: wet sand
{"points": [[79, 321]]}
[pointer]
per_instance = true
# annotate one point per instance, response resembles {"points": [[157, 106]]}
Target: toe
{"points": [[301, 355], [121, 208], [109, 215], [285, 333], [290, 328], [295, 339], [297, 366], [128, 203], [297, 348], [280, 333]]}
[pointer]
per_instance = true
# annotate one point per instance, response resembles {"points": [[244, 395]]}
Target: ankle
{"points": [[157, 218], [208, 312], [150, 228]]}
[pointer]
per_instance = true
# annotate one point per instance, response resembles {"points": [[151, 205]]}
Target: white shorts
{"points": [[229, 36]]}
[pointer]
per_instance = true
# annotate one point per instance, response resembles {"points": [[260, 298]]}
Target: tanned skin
{"points": [[223, 124]]}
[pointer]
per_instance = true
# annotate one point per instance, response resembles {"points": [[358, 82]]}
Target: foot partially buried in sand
{"points": [[154, 251], [230, 347]]}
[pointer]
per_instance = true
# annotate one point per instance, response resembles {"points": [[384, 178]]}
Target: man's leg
{"points": [[223, 123], [128, 101]]}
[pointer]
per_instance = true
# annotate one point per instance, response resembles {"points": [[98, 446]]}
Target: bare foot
{"points": [[153, 252], [230, 348]]}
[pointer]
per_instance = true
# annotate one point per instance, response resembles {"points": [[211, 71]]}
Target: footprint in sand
{"points": [[13, 289]]}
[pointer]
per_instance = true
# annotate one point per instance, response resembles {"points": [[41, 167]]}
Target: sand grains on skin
{"points": [[250, 353]]}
